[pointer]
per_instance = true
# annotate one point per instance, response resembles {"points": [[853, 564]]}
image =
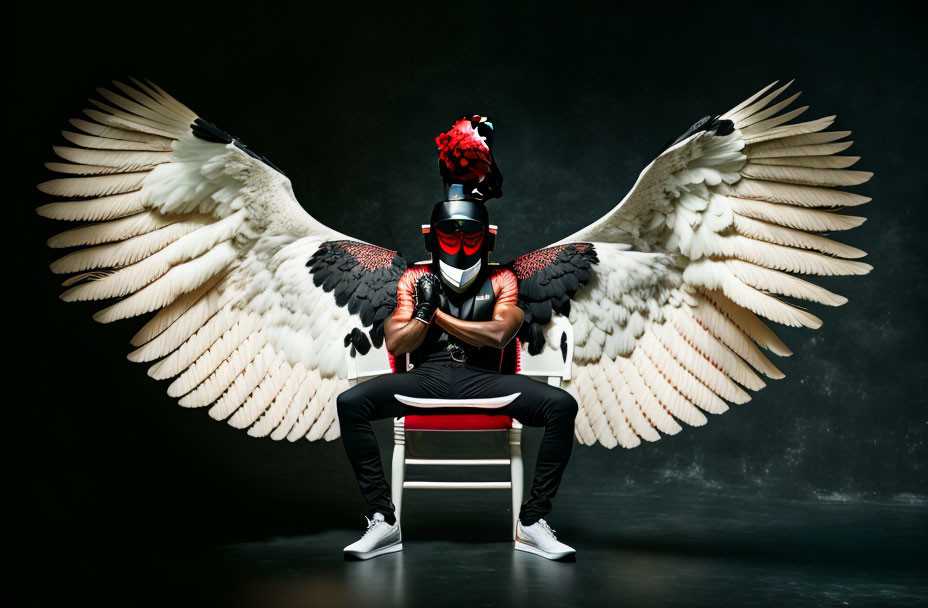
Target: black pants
{"points": [[538, 404]]}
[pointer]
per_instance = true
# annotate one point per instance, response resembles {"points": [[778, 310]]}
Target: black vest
{"points": [[476, 305]]}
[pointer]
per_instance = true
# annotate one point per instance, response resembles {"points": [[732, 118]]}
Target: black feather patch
{"points": [[724, 127], [207, 131], [712, 124], [358, 341], [363, 278], [548, 279]]}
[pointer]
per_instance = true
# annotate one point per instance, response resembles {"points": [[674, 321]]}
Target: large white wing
{"points": [[256, 301], [709, 239]]}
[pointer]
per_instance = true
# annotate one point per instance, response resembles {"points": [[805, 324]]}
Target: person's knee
{"points": [[348, 405], [563, 404]]}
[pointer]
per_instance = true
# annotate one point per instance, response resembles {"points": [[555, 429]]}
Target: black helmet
{"points": [[460, 238]]}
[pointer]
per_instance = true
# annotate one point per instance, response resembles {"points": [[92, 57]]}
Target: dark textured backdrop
{"points": [[347, 104]]}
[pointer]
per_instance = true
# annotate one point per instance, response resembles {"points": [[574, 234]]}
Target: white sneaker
{"points": [[379, 538], [539, 539]]}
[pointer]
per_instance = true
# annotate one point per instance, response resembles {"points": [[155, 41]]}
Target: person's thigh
{"points": [[529, 407], [374, 399]]}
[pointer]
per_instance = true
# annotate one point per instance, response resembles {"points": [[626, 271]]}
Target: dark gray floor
{"points": [[632, 550]]}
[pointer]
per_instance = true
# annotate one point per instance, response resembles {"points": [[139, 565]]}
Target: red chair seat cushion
{"points": [[458, 422]]}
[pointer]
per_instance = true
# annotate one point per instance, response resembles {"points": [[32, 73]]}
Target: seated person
{"points": [[455, 317]]}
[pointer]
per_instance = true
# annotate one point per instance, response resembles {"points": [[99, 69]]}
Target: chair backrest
{"points": [[556, 360], [553, 363], [364, 367]]}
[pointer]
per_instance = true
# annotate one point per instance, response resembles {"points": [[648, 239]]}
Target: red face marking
{"points": [[450, 242], [455, 234], [472, 242]]}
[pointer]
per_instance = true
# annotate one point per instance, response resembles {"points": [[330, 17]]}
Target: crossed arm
{"points": [[403, 333], [402, 336], [497, 332]]}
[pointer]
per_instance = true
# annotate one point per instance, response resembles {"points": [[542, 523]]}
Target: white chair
{"points": [[552, 366]]}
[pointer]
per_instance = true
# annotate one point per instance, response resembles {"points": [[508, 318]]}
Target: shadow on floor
{"points": [[632, 550]]}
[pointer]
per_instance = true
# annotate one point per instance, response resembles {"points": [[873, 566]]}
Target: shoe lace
{"points": [[547, 528], [371, 524]]}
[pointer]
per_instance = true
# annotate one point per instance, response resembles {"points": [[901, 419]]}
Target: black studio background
{"points": [[347, 100]]}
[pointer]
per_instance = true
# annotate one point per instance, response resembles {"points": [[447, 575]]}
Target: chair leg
{"points": [[517, 472], [399, 464]]}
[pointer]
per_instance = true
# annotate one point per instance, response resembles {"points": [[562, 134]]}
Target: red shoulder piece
{"points": [[505, 285], [405, 288]]}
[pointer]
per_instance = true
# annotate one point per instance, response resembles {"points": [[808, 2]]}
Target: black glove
{"points": [[427, 297]]}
